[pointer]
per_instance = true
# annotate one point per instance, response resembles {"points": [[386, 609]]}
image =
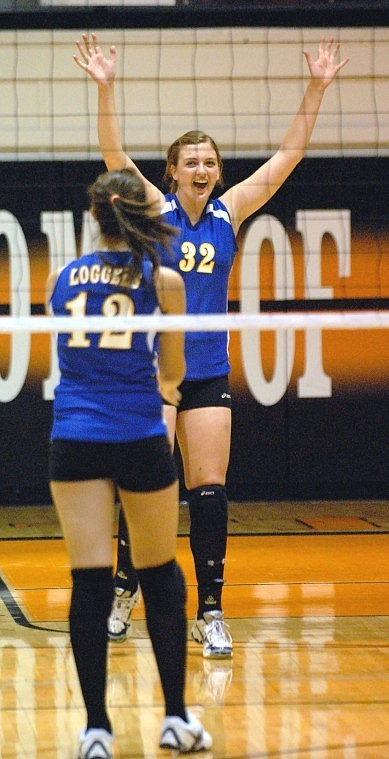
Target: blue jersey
{"points": [[203, 255], [108, 389]]}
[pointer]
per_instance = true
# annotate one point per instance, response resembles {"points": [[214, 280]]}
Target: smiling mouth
{"points": [[200, 185]]}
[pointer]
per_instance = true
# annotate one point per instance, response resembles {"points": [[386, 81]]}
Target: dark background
{"points": [[305, 448]]}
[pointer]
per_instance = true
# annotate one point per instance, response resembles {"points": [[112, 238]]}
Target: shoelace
{"points": [[217, 633]]}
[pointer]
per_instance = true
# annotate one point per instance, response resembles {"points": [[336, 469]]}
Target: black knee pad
{"points": [[208, 508], [163, 588]]}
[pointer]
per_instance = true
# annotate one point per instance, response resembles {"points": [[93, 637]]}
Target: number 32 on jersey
{"points": [[206, 250]]}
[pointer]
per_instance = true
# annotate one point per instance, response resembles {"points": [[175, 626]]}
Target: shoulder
{"points": [[54, 276], [170, 204], [220, 210], [51, 282]]}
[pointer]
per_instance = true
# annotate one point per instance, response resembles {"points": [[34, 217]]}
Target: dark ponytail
{"points": [[118, 200]]}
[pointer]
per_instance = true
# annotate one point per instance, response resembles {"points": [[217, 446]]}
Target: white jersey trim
{"points": [[219, 213], [170, 205]]}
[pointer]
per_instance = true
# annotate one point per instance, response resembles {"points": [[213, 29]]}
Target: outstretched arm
{"points": [[103, 71], [248, 196]]}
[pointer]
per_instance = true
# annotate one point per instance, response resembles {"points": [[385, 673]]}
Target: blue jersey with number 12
{"points": [[203, 255], [108, 389]]}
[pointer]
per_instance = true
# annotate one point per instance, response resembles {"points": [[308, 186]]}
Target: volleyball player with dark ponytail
{"points": [[109, 432]]}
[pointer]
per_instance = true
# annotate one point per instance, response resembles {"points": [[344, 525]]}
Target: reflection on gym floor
{"points": [[309, 616]]}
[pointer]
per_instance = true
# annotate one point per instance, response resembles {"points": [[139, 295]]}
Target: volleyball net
{"points": [[242, 85], [198, 323]]}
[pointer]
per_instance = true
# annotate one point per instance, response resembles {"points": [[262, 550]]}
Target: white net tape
{"points": [[201, 323]]}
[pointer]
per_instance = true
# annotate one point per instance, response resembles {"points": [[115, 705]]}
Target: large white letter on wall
{"points": [[59, 228], [266, 228], [20, 299], [313, 225]]}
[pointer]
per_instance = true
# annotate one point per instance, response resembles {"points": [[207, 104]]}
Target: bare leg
{"points": [[85, 510], [204, 437]]}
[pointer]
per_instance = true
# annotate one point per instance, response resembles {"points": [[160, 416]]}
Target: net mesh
{"points": [[242, 85]]}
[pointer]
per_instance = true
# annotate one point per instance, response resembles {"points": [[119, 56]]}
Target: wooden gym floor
{"points": [[307, 600]]}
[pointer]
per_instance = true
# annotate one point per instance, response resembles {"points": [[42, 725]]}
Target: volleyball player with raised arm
{"points": [[109, 432], [204, 253]]}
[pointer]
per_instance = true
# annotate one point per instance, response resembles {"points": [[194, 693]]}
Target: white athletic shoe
{"points": [[212, 632], [119, 621], [95, 744], [184, 737]]}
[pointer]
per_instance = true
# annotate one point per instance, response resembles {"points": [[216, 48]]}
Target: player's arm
{"points": [[103, 71], [171, 363], [248, 196]]}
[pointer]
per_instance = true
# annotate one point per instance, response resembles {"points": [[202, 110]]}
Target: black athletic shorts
{"points": [[204, 393], [140, 467]]}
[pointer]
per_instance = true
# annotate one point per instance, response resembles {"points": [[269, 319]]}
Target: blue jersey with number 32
{"points": [[203, 255]]}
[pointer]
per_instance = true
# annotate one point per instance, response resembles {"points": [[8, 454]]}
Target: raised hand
{"points": [[93, 61], [324, 69]]}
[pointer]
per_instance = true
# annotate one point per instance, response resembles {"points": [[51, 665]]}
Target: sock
{"points": [[126, 576], [90, 606], [164, 595], [208, 541]]}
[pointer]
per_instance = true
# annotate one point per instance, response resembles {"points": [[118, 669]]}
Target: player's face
{"points": [[197, 171]]}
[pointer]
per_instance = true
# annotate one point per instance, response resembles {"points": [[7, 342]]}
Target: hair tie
{"points": [[114, 198]]}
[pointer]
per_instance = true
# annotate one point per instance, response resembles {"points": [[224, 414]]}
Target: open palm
{"points": [[324, 69], [92, 60]]}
